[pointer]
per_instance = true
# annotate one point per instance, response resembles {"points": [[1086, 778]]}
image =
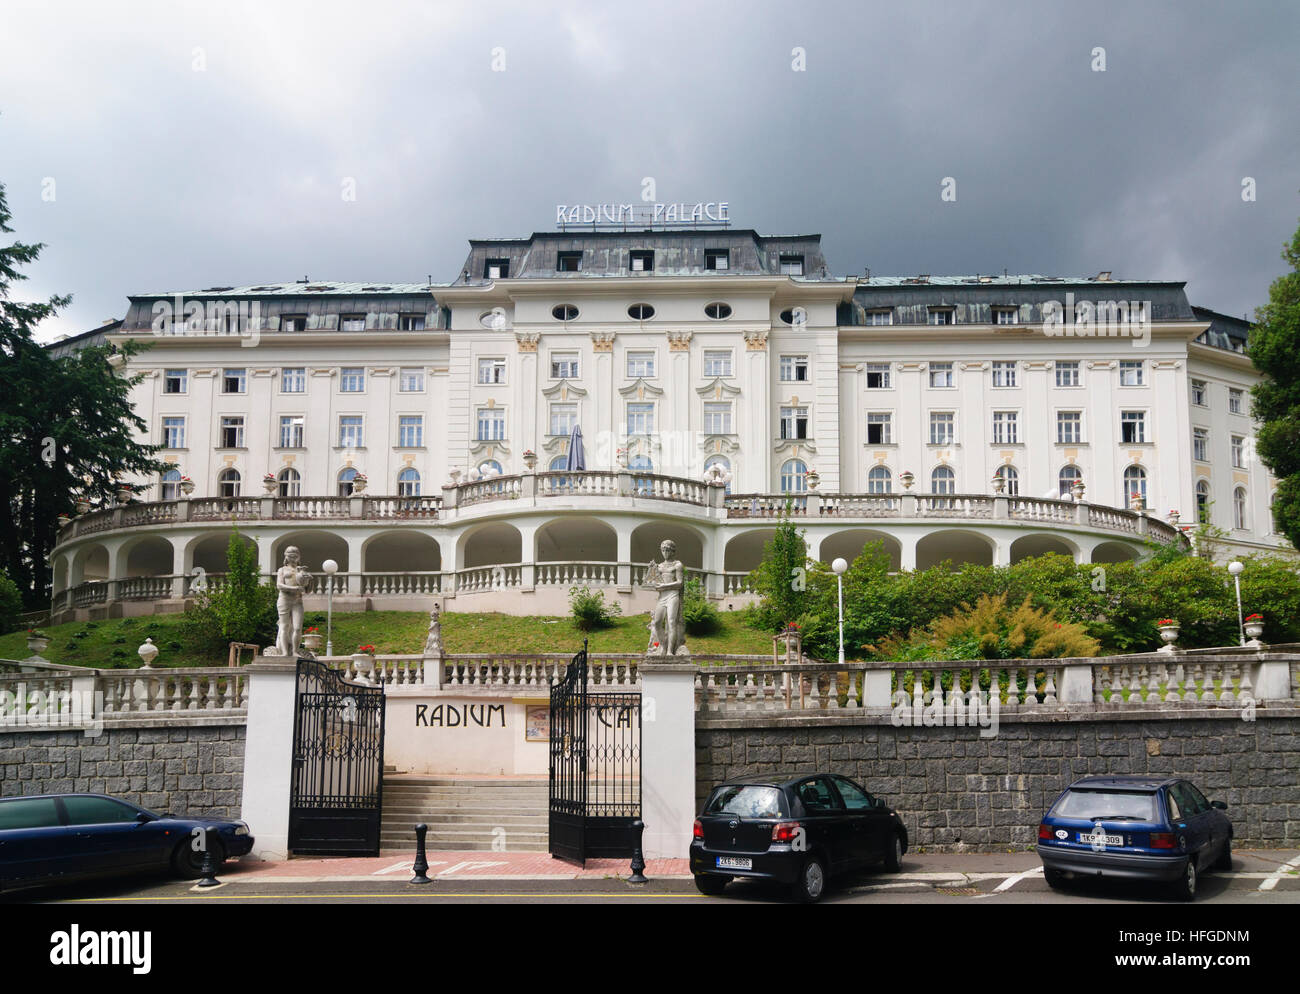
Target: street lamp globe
{"points": [[330, 566], [1235, 568], [839, 566]]}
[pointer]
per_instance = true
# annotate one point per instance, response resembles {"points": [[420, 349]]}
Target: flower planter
{"points": [[1170, 635], [83, 507], [364, 664], [312, 643], [124, 496], [1254, 629], [37, 644], [269, 484], [358, 484], [187, 487]]}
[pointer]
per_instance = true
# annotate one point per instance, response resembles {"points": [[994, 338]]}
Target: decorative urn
{"points": [[312, 640], [907, 478], [530, 459], [83, 505], [1169, 629], [187, 486], [1077, 489], [359, 483], [269, 483], [1254, 625], [37, 641], [124, 495], [363, 662]]}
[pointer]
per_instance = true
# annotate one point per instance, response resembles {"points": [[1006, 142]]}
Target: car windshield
{"points": [[1117, 805], [745, 801]]}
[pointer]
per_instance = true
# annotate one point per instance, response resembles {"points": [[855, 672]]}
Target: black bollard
{"points": [[208, 870], [421, 867], [638, 861]]}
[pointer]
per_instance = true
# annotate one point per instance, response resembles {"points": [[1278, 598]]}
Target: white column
{"points": [[268, 755], [667, 757]]}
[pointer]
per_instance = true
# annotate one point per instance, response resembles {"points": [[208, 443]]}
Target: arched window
{"points": [[171, 485], [943, 480], [641, 464], [1010, 479], [559, 463], [1135, 483], [290, 482], [878, 480], [408, 483], [794, 477], [1239, 508], [228, 482], [490, 467], [1070, 475], [723, 464], [1203, 502], [346, 476]]}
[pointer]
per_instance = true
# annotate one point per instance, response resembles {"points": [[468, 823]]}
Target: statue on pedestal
{"points": [[292, 581], [433, 644], [667, 627]]}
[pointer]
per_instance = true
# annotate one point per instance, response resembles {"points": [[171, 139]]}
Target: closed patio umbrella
{"points": [[577, 457]]}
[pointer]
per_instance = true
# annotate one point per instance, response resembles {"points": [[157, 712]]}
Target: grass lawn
{"points": [[113, 643]]}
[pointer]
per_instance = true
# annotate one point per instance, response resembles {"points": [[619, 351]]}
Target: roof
{"points": [[299, 288]]}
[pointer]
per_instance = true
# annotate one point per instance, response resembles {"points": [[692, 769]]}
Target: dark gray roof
{"points": [[1225, 332], [85, 340]]}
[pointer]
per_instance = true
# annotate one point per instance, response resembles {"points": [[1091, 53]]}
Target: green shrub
{"points": [[698, 612], [243, 610], [11, 604], [590, 610]]}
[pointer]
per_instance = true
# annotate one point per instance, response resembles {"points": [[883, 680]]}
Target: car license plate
{"points": [[735, 863], [1087, 838]]}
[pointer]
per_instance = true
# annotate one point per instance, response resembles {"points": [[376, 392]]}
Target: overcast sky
{"points": [[179, 146]]}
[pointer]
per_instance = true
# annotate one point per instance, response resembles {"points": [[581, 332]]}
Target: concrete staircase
{"points": [[463, 813]]}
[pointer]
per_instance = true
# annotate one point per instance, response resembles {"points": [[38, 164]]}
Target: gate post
{"points": [[268, 753], [667, 756]]}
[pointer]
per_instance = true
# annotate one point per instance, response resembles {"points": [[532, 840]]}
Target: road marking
{"points": [[1010, 882], [491, 895], [395, 868], [1284, 871]]}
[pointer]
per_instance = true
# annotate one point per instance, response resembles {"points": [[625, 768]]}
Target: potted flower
{"points": [[269, 483], [363, 661], [64, 521], [311, 639], [83, 505], [814, 478], [37, 641], [907, 478], [187, 486], [530, 459], [124, 494], [1138, 502], [1173, 517], [359, 483], [1077, 490], [1254, 625], [1169, 629]]}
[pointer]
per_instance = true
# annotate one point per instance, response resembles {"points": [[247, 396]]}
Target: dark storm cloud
{"points": [[209, 144]]}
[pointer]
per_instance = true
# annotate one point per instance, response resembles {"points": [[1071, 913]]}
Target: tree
{"points": [[781, 579], [67, 427], [242, 609], [1275, 350]]}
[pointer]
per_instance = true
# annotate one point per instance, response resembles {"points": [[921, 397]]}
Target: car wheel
{"points": [[1055, 878], [894, 860], [188, 864], [811, 882], [1224, 862], [1185, 889], [708, 883]]}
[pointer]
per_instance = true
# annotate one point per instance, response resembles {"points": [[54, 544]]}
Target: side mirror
{"points": [[143, 818], [1219, 804], [879, 802]]}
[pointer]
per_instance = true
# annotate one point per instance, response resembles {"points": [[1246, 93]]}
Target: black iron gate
{"points": [[338, 764], [595, 768]]}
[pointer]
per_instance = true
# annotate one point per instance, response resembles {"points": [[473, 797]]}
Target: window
{"points": [[1235, 405], [717, 419], [564, 312], [640, 312], [1239, 508], [408, 483], [232, 432], [940, 374], [1130, 372], [346, 480], [410, 322], [234, 381], [717, 260], [351, 434], [879, 425], [941, 315], [1004, 374], [564, 365], [293, 380], [35, 812], [291, 431], [880, 316], [1069, 427], [411, 380], [228, 482], [941, 427], [640, 419], [491, 424], [496, 269], [794, 422], [1069, 476], [1238, 446], [290, 483], [293, 322], [1201, 444], [170, 485], [563, 418], [1067, 373], [717, 362], [877, 376], [717, 311], [568, 262], [794, 476], [1203, 502], [943, 480], [1006, 315], [173, 432], [794, 368], [791, 265], [1005, 427], [1132, 427], [642, 260], [491, 370], [174, 381], [83, 810], [352, 322], [1200, 393], [855, 799], [410, 431], [1135, 485], [878, 480], [640, 364], [352, 379]]}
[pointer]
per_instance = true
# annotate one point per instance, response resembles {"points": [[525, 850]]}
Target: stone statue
{"points": [[292, 581], [433, 644], [667, 628]]}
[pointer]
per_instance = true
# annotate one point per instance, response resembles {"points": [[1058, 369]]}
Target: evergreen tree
{"points": [[781, 579]]}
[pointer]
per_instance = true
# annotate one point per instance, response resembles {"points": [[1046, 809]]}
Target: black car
{"points": [[798, 831], [1137, 828], [57, 838]]}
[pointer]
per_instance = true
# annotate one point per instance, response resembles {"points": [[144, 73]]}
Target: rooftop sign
{"points": [[642, 215]]}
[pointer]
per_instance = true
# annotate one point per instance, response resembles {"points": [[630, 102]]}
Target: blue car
{"points": [[57, 838], [1135, 828]]}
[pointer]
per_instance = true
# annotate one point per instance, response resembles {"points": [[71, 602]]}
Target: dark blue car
{"points": [[1136, 828], [55, 838]]}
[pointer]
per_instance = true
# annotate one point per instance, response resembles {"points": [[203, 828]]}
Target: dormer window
{"points": [[496, 269], [293, 322], [642, 261], [941, 315], [1006, 315], [568, 262], [791, 265], [717, 260]]}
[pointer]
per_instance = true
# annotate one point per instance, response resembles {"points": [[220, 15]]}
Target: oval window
{"points": [[495, 319], [796, 315], [717, 311], [641, 312], [564, 312]]}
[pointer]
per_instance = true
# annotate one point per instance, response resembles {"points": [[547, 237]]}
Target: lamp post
{"points": [[839, 566], [1235, 569], [330, 567]]}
